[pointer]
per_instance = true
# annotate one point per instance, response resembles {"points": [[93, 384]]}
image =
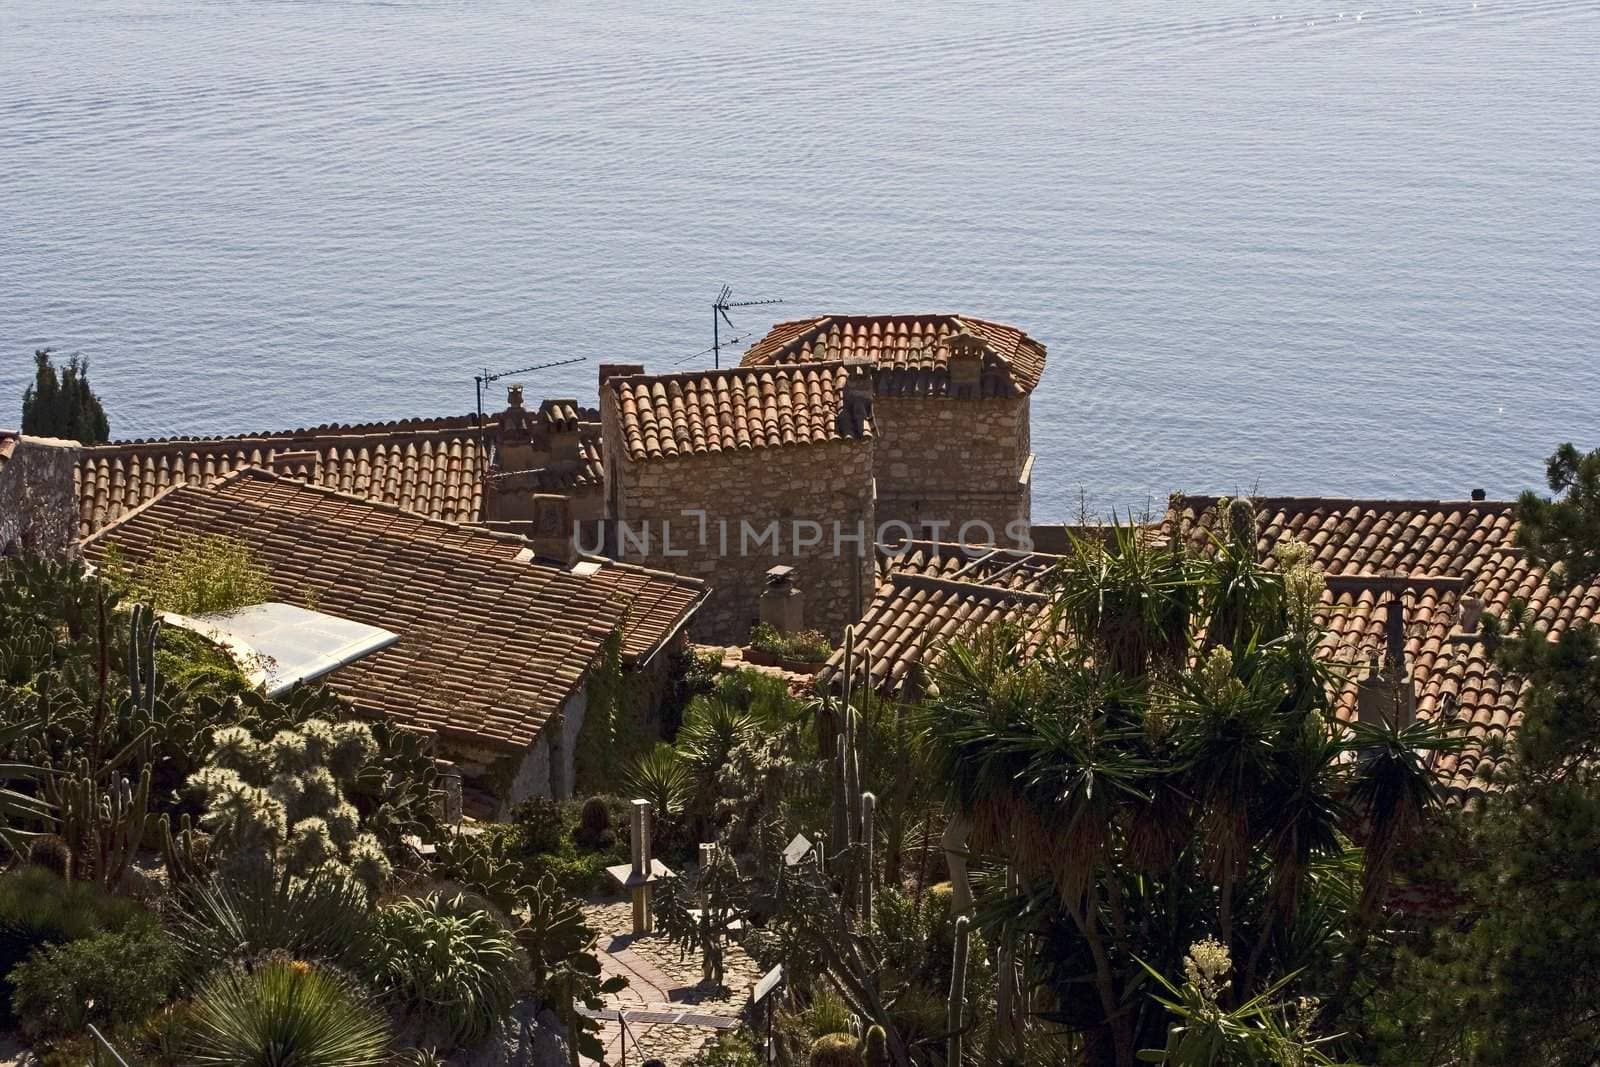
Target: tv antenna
{"points": [[485, 379], [719, 315]]}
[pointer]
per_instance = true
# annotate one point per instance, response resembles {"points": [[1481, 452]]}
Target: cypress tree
{"points": [[63, 404]]}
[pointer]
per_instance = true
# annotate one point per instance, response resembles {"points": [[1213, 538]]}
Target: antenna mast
{"points": [[719, 315], [484, 379]]}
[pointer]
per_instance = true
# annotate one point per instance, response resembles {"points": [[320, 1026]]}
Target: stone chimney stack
{"points": [[305, 466], [1387, 696], [514, 446], [559, 419], [855, 413], [552, 533], [38, 504], [782, 604], [966, 364]]}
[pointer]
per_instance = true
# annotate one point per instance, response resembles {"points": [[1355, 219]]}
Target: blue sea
{"points": [[1290, 247]]}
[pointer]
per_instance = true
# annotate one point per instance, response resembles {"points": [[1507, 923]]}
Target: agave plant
{"points": [[283, 1013], [450, 960]]}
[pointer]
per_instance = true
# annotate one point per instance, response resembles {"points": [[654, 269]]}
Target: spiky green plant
{"points": [[660, 777], [283, 1013], [238, 917], [450, 961], [280, 803]]}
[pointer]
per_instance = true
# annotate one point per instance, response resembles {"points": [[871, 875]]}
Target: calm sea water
{"points": [[1296, 246]]}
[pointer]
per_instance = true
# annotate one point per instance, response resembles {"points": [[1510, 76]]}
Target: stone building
{"points": [[496, 642], [446, 468], [950, 414], [36, 495], [722, 475]]}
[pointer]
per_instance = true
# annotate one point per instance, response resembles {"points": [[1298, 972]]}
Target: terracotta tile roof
{"points": [[912, 352], [1443, 558], [492, 641], [735, 409], [435, 467]]}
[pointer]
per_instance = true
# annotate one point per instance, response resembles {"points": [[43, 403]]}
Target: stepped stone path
{"points": [[661, 983]]}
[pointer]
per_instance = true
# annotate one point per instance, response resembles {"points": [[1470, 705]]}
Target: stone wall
{"points": [[755, 503], [38, 503], [950, 461]]}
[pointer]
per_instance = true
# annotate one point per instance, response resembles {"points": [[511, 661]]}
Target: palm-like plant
{"points": [[450, 960], [283, 1013], [660, 777]]}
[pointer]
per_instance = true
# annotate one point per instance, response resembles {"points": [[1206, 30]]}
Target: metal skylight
{"points": [[279, 646]]}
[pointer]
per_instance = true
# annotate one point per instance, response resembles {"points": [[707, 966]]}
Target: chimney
{"points": [[304, 466], [38, 504], [552, 533], [782, 604], [513, 435], [559, 420], [1469, 615], [855, 411], [1386, 696], [1479, 494], [966, 363]]}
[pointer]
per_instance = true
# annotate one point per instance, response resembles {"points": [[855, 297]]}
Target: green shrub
{"points": [[124, 976], [810, 646], [449, 961], [203, 575], [731, 1049], [828, 1014], [577, 872], [541, 826], [280, 1013], [37, 908], [660, 777]]}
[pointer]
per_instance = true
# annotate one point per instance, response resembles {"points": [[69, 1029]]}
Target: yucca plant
{"points": [[283, 1013], [238, 918], [449, 960], [660, 777]]}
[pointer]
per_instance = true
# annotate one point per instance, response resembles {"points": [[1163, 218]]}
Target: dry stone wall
{"points": [[38, 503], [950, 461]]}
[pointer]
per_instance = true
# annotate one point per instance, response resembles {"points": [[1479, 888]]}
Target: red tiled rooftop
{"points": [[1439, 554], [435, 467], [734, 409], [492, 642], [911, 352]]}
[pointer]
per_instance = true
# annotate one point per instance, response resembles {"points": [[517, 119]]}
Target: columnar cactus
{"points": [[958, 991], [869, 807], [103, 829], [144, 630]]}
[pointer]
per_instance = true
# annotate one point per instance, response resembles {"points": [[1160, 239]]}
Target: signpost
{"points": [[645, 870]]}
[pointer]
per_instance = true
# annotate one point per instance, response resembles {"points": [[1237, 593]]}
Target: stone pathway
{"points": [[659, 981]]}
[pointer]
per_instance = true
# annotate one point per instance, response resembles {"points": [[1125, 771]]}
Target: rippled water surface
{"points": [[1305, 247]]}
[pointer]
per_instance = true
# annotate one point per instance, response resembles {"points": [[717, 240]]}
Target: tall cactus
{"points": [[186, 853], [958, 991], [104, 829], [869, 808], [144, 630]]}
